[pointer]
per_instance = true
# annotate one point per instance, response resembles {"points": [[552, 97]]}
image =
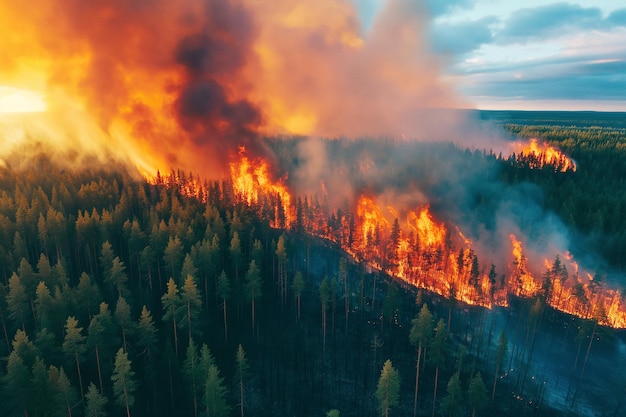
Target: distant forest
{"points": [[120, 297], [592, 200]]}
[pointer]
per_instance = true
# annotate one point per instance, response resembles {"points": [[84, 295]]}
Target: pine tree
{"points": [[388, 389], [501, 353], [16, 382], [324, 299], [188, 269], [172, 306], [124, 384], [64, 392], [117, 278], [17, 302], [235, 254], [95, 402], [191, 301], [214, 398], [146, 333], [123, 318], [241, 374], [298, 288], [420, 336], [173, 255], [281, 258], [451, 403], [253, 287], [88, 296], [438, 352], [74, 345], [100, 335], [44, 306], [477, 394], [193, 373], [41, 396], [224, 291]]}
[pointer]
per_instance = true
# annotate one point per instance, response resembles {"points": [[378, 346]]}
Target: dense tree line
{"points": [[124, 297], [591, 200]]}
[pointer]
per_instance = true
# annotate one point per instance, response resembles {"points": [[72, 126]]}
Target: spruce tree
{"points": [[124, 384], [388, 389]]}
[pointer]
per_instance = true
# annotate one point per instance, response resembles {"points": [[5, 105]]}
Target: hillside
{"points": [[123, 296]]}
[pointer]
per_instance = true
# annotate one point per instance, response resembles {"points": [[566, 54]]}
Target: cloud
{"points": [[553, 80], [556, 19], [462, 38], [617, 17], [442, 7]]}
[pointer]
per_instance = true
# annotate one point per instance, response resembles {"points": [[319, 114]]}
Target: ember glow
{"points": [[539, 154]]}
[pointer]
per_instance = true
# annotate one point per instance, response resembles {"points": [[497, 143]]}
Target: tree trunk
{"points": [[126, 398], [298, 309], [225, 322], [435, 393], [99, 370], [80, 377], [175, 337], [582, 371], [495, 380], [241, 396], [6, 335], [417, 378]]}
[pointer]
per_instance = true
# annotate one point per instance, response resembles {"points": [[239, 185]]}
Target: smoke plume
{"points": [[184, 84]]}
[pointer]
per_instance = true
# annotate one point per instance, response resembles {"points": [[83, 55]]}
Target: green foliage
{"points": [[95, 402], [215, 393], [101, 237], [422, 327], [438, 349], [17, 301], [477, 393], [146, 331], [388, 388], [123, 378], [240, 378], [451, 403]]}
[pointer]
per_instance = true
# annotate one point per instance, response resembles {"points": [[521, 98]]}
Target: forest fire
{"points": [[430, 254], [220, 80], [251, 183], [539, 154]]}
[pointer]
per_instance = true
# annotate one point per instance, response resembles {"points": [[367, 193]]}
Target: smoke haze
{"points": [[184, 84]]}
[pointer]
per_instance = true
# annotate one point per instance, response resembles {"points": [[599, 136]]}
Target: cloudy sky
{"points": [[534, 54]]}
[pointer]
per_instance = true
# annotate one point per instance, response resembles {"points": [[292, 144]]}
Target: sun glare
{"points": [[15, 100]]}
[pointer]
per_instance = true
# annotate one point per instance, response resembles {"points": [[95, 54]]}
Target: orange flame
{"points": [[251, 182], [540, 154], [424, 253], [429, 233]]}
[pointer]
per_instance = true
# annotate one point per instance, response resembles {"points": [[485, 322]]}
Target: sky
{"points": [[530, 55], [497, 54]]}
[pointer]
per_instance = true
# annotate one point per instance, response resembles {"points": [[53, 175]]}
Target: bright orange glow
{"points": [[540, 154], [429, 233], [425, 252], [13, 100], [523, 282], [251, 182]]}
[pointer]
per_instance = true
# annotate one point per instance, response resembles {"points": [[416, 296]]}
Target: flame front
{"points": [[539, 154], [428, 253], [251, 183]]}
